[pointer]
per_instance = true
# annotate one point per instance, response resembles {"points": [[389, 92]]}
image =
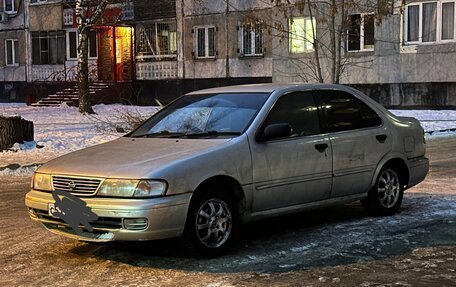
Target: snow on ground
{"points": [[62, 130]]}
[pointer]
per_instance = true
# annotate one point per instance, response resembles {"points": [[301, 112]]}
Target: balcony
{"points": [[161, 70]]}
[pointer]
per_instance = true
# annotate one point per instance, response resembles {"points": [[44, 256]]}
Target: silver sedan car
{"points": [[214, 159]]}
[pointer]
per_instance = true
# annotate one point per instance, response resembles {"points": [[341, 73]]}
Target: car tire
{"points": [[385, 197], [213, 223]]}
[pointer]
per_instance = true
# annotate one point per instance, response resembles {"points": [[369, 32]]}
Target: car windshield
{"points": [[208, 115]]}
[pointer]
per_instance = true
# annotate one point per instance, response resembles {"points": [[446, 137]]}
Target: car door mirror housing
{"points": [[276, 131]]}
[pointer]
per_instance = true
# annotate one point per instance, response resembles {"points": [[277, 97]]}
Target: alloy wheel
{"points": [[388, 188], [213, 223]]}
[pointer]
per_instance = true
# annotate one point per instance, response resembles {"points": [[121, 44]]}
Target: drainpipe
{"points": [[227, 63], [114, 48], [27, 36], [181, 46]]}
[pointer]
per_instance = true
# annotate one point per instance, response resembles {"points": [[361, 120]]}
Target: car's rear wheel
{"points": [[213, 223], [385, 197]]}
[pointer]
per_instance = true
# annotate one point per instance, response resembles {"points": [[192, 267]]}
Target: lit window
{"points": [[11, 53], [251, 39], [361, 32], [429, 22], [204, 41], [302, 34]]}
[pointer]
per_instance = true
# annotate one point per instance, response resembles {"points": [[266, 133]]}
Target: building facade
{"points": [[13, 47], [400, 53], [400, 57], [183, 46]]}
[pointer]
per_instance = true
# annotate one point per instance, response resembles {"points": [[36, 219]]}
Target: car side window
{"points": [[297, 109], [339, 111], [369, 117]]}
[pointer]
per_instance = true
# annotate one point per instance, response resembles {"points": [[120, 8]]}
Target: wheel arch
{"points": [[222, 183], [399, 163]]}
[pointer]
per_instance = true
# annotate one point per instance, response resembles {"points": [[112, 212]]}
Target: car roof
{"points": [[263, 88]]}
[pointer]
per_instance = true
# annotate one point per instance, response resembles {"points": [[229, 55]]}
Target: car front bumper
{"points": [[165, 216]]}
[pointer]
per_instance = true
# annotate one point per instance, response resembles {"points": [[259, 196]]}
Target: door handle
{"points": [[381, 138], [321, 147]]}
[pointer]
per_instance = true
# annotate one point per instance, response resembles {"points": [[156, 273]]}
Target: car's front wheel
{"points": [[213, 223], [385, 197]]}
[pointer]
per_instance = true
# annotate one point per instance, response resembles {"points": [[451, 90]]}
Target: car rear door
{"points": [[358, 138], [295, 169]]}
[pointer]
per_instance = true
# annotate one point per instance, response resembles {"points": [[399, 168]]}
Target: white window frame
{"points": [[307, 43], [361, 34], [68, 31], [206, 42], [68, 17], [253, 35], [128, 11], [142, 35], [14, 10], [14, 42], [438, 38]]}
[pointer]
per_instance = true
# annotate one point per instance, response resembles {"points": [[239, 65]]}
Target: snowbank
{"points": [[62, 130]]}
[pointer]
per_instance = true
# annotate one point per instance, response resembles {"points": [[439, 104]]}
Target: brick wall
{"points": [[149, 10]]}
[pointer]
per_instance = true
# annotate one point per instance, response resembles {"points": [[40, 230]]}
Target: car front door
{"points": [[358, 140], [296, 169]]}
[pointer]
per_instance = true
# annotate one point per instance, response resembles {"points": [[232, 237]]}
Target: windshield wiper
{"points": [[168, 134], [212, 133], [164, 133]]}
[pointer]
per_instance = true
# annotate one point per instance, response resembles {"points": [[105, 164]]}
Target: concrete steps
{"points": [[70, 95]]}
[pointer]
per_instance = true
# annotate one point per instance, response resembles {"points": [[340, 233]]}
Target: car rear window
{"points": [[339, 111], [369, 117]]}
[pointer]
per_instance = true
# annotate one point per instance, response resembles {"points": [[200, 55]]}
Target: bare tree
{"points": [[329, 58], [88, 12]]}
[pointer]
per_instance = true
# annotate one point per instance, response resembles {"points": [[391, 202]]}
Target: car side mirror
{"points": [[276, 131]]}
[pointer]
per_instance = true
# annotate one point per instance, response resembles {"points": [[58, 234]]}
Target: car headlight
{"points": [[42, 182], [150, 188], [132, 188]]}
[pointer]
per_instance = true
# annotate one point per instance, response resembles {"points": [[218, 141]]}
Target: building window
{"points": [[251, 39], [302, 33], [429, 22], [128, 12], [68, 17], [11, 52], [48, 47], [204, 42], [361, 32], [72, 44], [156, 40], [10, 6]]}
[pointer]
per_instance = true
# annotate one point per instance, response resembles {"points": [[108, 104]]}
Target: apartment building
{"points": [[400, 53]]}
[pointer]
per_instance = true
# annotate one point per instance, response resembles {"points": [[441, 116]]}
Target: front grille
{"points": [[102, 223], [76, 185]]}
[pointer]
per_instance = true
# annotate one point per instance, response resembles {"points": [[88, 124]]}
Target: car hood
{"points": [[128, 157]]}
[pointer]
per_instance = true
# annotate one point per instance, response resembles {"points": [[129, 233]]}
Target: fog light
{"points": [[135, 223], [32, 213]]}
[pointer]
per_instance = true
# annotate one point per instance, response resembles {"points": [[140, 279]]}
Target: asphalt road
{"points": [[331, 247]]}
